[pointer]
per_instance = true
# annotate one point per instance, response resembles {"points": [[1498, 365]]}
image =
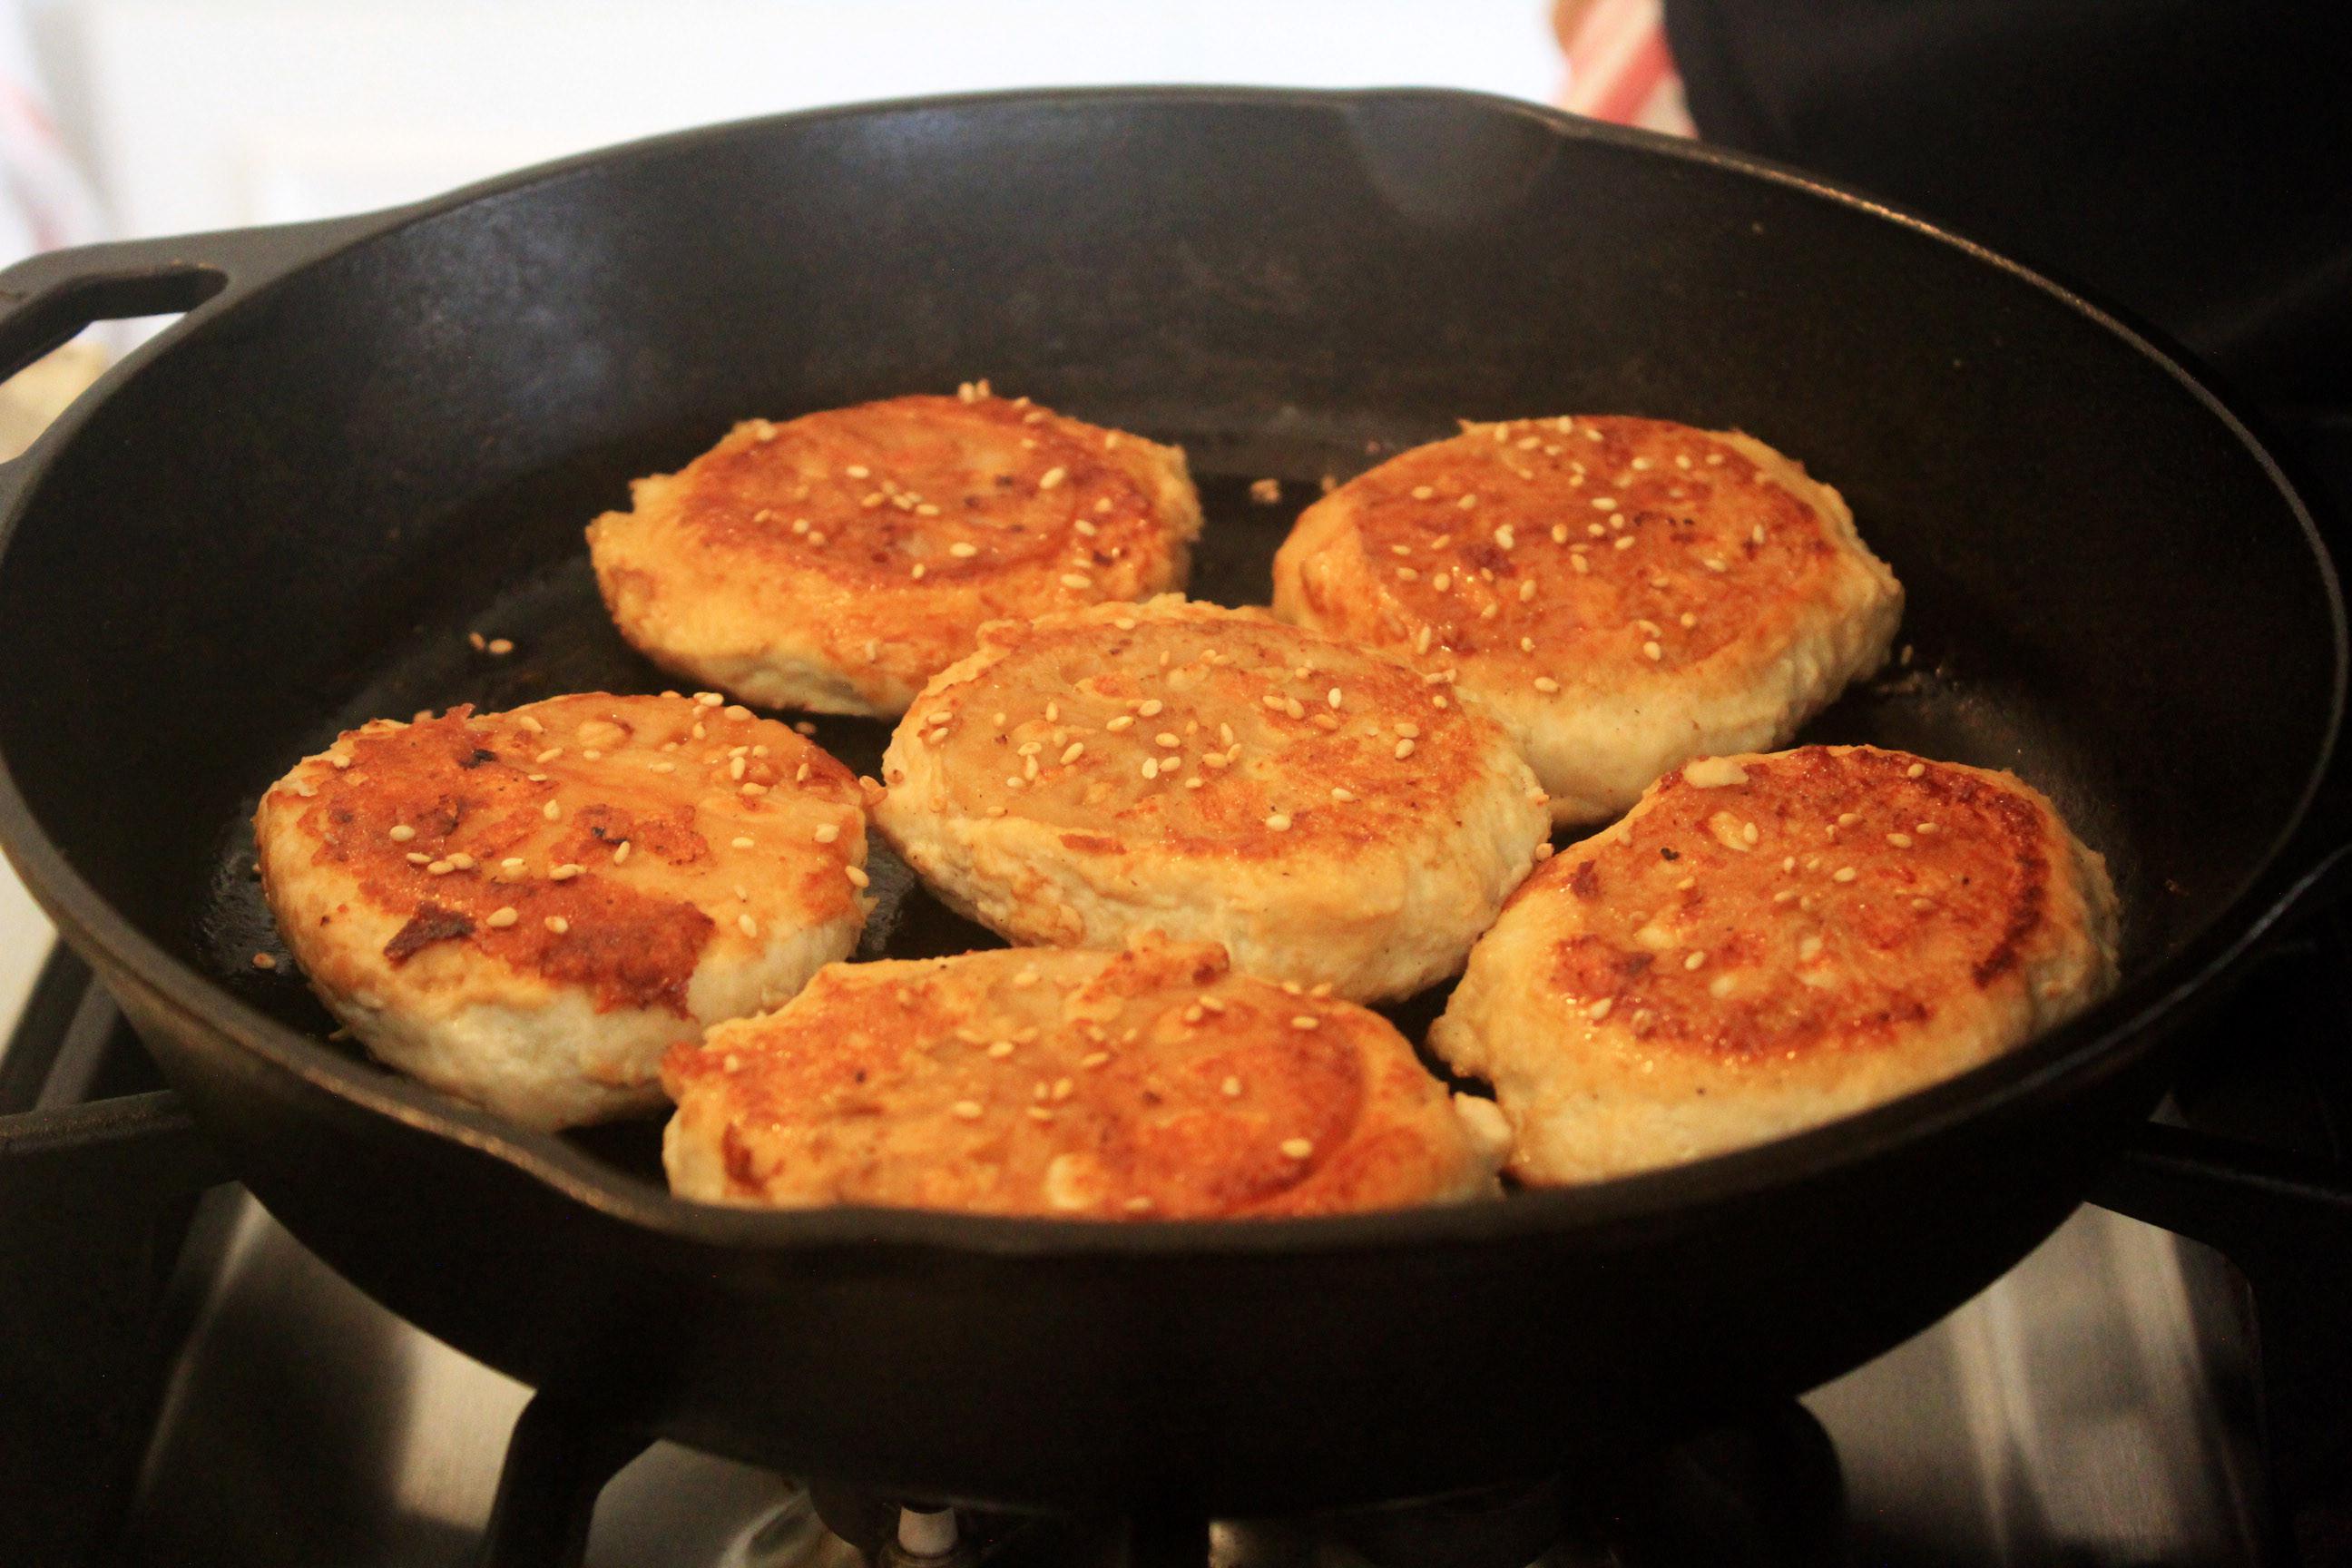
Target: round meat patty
{"points": [[838, 560], [1623, 594], [526, 909], [1321, 810], [1147, 1084], [1769, 943]]}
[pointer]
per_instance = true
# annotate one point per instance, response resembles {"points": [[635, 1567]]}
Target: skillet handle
{"points": [[46, 300]]}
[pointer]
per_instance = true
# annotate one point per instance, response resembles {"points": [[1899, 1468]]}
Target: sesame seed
{"points": [[1923, 904], [1093, 1059], [1127, 721], [1810, 948], [502, 917], [1687, 620], [402, 834], [1231, 1088], [552, 811], [1546, 684], [1842, 874], [501, 647], [1925, 827], [1747, 832], [1001, 1049], [1652, 652], [857, 879], [827, 832], [1543, 852], [475, 639], [1900, 840], [1915, 770], [1039, 1113], [264, 961], [1147, 709], [917, 574], [746, 925], [512, 863], [1306, 1020], [1442, 582], [1599, 1010], [1466, 503], [751, 789], [1695, 959], [1279, 821], [1166, 738], [968, 1110], [964, 550], [1075, 750], [564, 872], [1077, 579], [557, 925], [438, 869], [1151, 767], [1604, 503], [1580, 563], [1341, 794], [1053, 477], [1403, 749], [1297, 1148], [1407, 729], [1407, 575], [1422, 492]]}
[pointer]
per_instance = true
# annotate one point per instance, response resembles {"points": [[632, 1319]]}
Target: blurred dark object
{"points": [[2192, 161]]}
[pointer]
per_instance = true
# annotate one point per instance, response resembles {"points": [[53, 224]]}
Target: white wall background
{"points": [[197, 113]]}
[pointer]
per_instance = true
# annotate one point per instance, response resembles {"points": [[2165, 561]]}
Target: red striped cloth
{"points": [[1619, 68]]}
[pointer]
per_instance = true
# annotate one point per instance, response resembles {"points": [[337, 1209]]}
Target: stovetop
{"points": [[2094, 1406], [182, 1383]]}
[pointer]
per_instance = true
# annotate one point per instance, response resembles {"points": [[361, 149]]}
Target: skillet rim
{"points": [[2105, 1042]]}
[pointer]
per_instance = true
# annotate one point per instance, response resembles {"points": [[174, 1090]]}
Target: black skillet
{"points": [[372, 436]]}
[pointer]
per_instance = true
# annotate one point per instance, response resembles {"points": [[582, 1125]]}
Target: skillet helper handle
{"points": [[46, 300]]}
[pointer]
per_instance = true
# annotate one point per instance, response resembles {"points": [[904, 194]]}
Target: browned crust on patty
{"points": [[876, 539], [1148, 1084], [1690, 552], [444, 825], [1950, 882], [1241, 703]]}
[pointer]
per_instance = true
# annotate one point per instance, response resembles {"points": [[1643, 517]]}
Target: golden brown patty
{"points": [[1151, 1083], [525, 908], [1316, 808], [1767, 943], [1623, 594], [840, 560]]}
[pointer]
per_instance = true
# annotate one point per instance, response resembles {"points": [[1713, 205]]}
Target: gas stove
{"points": [[188, 1385], [182, 1383]]}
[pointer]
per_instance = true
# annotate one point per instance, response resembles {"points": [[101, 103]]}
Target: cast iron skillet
{"points": [[370, 436]]}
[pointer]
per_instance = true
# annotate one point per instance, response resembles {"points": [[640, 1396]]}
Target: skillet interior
{"points": [[545, 602], [287, 520]]}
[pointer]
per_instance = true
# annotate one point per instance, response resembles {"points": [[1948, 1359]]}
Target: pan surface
{"points": [[288, 515]]}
